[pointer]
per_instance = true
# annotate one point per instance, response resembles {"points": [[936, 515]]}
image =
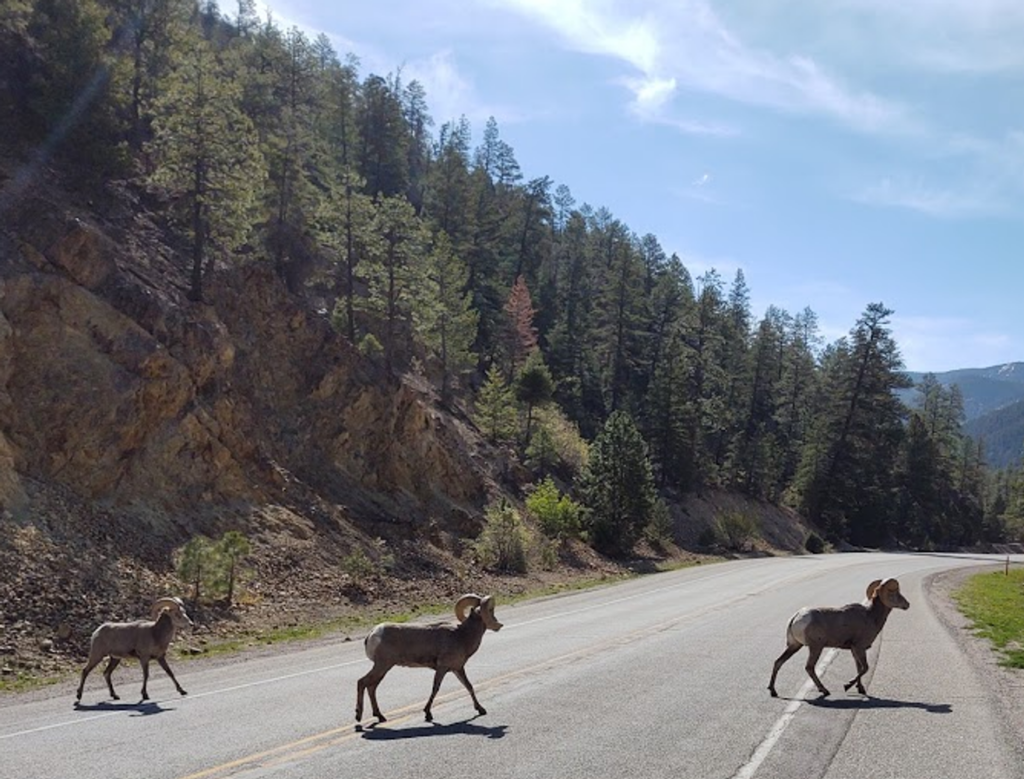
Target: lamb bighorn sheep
{"points": [[852, 627], [144, 639], [443, 647]]}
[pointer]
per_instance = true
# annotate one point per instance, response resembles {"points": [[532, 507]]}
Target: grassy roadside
{"points": [[183, 651], [994, 602]]}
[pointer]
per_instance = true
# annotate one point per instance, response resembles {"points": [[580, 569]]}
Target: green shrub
{"points": [[358, 565], [556, 444], [659, 531], [738, 529], [502, 544], [814, 544], [709, 537], [558, 515], [211, 568]]}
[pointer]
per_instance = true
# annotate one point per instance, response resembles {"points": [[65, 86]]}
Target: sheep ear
{"points": [[872, 587]]}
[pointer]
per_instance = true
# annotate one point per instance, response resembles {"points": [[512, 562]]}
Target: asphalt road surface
{"points": [[662, 676]]}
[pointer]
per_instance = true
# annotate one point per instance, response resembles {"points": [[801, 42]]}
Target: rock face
{"points": [[120, 392], [131, 418]]}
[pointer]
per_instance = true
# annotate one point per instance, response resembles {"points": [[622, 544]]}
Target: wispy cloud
{"points": [[945, 36], [935, 202], [679, 45], [451, 94]]}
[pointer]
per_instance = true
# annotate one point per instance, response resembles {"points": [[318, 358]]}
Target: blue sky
{"points": [[840, 153]]}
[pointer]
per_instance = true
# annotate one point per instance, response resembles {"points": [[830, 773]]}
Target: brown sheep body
{"points": [[144, 639], [442, 647], [852, 627]]}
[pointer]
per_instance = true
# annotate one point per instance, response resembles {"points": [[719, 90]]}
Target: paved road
{"points": [[663, 676]]}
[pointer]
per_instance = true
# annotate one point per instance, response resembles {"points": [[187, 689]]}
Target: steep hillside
{"points": [[132, 419], [1002, 433]]}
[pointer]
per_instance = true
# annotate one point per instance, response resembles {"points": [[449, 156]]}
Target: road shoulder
{"points": [[1005, 686]]}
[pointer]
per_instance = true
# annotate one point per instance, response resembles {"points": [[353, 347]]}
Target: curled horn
{"points": [[164, 603], [464, 603], [872, 587]]}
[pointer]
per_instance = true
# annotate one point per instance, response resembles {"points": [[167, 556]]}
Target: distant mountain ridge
{"points": [[993, 407], [984, 389]]}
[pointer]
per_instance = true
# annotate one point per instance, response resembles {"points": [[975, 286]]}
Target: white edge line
{"points": [[748, 770], [186, 699]]}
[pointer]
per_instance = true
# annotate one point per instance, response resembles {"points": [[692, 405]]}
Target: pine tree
{"points": [[206, 155], [232, 547], [847, 474], [69, 95], [146, 34], [382, 153], [394, 270], [495, 408], [345, 224], [534, 387], [293, 155], [617, 487], [520, 334], [448, 321]]}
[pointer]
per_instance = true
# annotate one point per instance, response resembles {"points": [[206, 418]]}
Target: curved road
{"points": [[662, 676]]}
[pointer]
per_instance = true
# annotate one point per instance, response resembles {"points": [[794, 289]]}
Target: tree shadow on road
{"points": [[140, 709], [870, 702], [378, 732]]}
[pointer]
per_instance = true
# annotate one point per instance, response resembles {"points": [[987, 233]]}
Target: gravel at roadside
{"points": [[1004, 685]]}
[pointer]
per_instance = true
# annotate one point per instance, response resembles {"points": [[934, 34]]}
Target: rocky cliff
{"points": [[132, 418]]}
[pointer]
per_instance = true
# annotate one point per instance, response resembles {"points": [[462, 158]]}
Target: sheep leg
{"points": [[461, 674], [438, 677], [812, 661], [169, 672], [369, 683], [111, 665], [145, 677], [861, 658], [85, 672], [791, 649]]}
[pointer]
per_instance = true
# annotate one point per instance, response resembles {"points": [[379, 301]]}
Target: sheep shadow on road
{"points": [[378, 732], [870, 702], [140, 709]]}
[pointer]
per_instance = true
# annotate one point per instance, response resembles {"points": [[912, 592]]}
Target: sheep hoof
{"points": [[428, 716], [481, 710], [381, 718], [773, 693]]}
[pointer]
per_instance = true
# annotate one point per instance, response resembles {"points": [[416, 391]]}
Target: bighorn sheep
{"points": [[852, 627], [144, 639], [443, 647]]}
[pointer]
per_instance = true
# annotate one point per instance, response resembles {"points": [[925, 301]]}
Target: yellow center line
{"points": [[307, 745]]}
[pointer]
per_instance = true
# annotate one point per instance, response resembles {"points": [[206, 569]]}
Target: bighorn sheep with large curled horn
{"points": [[443, 647], [144, 639], [852, 627]]}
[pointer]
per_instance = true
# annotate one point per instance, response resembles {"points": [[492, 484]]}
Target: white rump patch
{"points": [[799, 624], [373, 641]]}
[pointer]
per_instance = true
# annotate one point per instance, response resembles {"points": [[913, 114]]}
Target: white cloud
{"points": [[684, 45]]}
